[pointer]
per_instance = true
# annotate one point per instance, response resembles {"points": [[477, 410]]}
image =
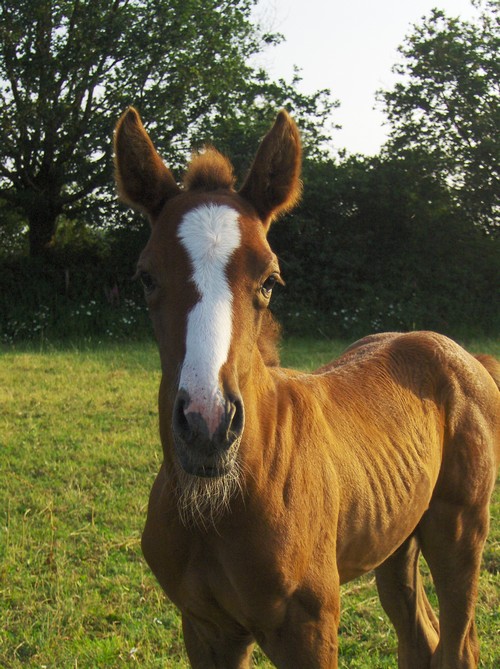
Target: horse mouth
{"points": [[206, 486], [197, 464], [205, 471]]}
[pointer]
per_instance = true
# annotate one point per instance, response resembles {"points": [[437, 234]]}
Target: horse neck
{"points": [[265, 394]]}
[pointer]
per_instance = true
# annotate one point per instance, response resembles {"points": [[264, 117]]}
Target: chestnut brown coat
{"points": [[277, 486]]}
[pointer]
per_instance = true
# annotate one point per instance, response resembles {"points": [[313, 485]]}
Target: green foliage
{"points": [[79, 449], [379, 244], [376, 244], [238, 131], [12, 233], [446, 104], [69, 69], [83, 289], [405, 240]]}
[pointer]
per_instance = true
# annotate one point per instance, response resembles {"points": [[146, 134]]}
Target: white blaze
{"points": [[210, 234]]}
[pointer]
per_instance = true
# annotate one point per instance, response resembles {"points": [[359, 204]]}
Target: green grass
{"points": [[79, 451]]}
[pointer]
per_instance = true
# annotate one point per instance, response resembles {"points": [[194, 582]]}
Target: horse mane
{"points": [[269, 340], [209, 170]]}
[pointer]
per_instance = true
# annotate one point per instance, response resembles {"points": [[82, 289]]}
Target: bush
{"points": [[379, 245], [79, 290], [375, 245]]}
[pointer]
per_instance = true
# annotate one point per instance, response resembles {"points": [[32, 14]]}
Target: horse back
{"points": [[463, 387]]}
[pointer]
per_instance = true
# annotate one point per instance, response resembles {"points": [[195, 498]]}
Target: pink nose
{"points": [[203, 440], [212, 414]]}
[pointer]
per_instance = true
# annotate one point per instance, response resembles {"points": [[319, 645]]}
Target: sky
{"points": [[348, 46]]}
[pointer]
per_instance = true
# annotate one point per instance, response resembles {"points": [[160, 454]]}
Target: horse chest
{"points": [[235, 578]]}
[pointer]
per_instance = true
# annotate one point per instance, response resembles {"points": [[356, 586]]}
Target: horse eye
{"points": [[268, 285], [147, 281]]}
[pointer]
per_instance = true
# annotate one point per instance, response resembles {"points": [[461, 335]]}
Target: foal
{"points": [[278, 486]]}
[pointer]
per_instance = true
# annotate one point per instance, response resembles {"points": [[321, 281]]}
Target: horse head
{"points": [[208, 274]]}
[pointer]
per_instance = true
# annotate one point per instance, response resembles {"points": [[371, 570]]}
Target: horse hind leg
{"points": [[452, 538], [403, 598], [453, 531]]}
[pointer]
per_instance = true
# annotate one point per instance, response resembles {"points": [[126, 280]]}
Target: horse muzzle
{"points": [[207, 435]]}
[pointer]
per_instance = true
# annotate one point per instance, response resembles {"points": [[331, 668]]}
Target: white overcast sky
{"points": [[348, 46]]}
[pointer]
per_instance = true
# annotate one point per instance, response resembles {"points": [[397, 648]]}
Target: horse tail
{"points": [[491, 365]]}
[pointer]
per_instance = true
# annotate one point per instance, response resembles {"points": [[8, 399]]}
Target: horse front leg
{"points": [[209, 647], [307, 638]]}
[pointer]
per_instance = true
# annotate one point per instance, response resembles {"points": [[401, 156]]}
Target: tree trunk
{"points": [[42, 224]]}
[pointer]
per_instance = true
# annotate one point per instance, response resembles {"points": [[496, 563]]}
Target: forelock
{"points": [[209, 170]]}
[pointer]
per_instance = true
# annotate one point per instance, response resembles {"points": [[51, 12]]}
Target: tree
{"points": [[68, 68], [447, 104], [379, 244]]}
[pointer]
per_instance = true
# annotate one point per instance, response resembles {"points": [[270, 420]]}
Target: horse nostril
{"points": [[238, 418], [234, 419], [180, 422]]}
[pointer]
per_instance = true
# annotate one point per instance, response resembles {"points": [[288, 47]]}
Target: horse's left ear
{"points": [[273, 185]]}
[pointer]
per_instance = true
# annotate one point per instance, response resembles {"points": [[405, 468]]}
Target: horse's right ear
{"points": [[143, 181], [273, 184]]}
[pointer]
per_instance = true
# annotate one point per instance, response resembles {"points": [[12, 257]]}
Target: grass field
{"points": [[79, 451]]}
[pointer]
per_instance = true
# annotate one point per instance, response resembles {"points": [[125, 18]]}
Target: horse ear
{"points": [[273, 185], [142, 179]]}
